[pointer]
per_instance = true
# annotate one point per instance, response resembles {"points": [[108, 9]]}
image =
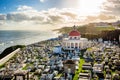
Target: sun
{"points": [[90, 7]]}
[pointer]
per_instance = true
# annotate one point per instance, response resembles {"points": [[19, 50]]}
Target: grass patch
{"points": [[89, 49], [59, 75], [82, 61], [1, 66], [25, 68], [105, 28]]}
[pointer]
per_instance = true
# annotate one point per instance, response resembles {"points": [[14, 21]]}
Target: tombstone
{"points": [[6, 77], [69, 64], [57, 50], [119, 40], [100, 40], [106, 42], [21, 75]]}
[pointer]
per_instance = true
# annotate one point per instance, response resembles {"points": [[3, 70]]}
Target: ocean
{"points": [[18, 37]]}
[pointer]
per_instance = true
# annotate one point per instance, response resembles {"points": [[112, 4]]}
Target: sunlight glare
{"points": [[89, 7]]}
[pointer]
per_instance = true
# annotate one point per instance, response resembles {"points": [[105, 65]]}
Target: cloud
{"points": [[106, 17], [56, 18], [112, 7], [17, 17], [27, 18], [24, 7], [2, 17], [69, 14], [51, 16], [42, 1], [100, 17], [1, 23]]}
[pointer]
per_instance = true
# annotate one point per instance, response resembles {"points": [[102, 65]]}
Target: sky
{"points": [[53, 14]]}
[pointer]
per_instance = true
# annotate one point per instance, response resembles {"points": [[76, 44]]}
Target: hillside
{"points": [[86, 29], [91, 31]]}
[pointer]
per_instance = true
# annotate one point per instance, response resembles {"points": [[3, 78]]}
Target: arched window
{"points": [[68, 45], [75, 37], [79, 45], [70, 37], [76, 45]]}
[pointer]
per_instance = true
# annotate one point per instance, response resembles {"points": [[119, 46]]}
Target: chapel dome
{"points": [[74, 33]]}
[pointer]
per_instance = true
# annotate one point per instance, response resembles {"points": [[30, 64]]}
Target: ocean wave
{"points": [[2, 44]]}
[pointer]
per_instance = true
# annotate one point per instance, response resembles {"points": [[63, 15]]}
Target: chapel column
{"points": [[66, 44], [74, 45], [78, 45], [70, 45]]}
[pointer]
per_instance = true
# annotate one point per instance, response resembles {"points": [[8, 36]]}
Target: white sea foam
{"points": [[2, 44]]}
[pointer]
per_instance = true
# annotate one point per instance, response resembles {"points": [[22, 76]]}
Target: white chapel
{"points": [[74, 41]]}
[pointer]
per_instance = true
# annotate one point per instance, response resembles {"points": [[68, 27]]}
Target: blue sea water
{"points": [[17, 37]]}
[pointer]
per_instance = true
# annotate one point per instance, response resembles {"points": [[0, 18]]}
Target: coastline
{"points": [[9, 38], [32, 44]]}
